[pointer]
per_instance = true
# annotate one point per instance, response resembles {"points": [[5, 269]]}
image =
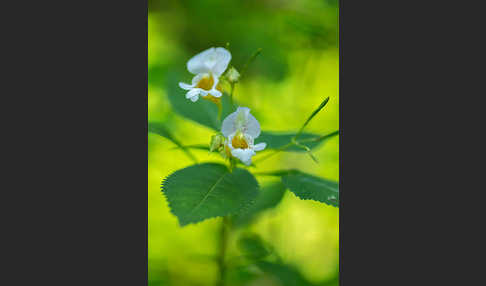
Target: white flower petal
{"points": [[244, 155], [192, 93], [252, 126], [260, 146], [197, 64], [202, 92], [213, 60], [215, 93], [185, 86], [241, 120], [228, 127], [222, 58], [195, 98], [247, 122]]}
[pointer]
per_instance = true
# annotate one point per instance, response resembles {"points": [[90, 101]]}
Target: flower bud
{"points": [[233, 75], [217, 141]]}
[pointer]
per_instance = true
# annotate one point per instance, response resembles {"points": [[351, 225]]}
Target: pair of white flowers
{"points": [[240, 128]]}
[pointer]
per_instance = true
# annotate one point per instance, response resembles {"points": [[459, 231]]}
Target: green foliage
{"points": [[314, 113], [279, 140], [268, 197], [160, 129], [196, 147], [309, 187], [208, 190], [253, 247]]}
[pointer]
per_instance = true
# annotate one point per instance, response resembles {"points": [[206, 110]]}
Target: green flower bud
{"points": [[233, 75], [217, 141]]}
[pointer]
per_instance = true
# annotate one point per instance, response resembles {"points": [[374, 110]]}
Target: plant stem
{"points": [[274, 152], [231, 94], [255, 54], [223, 244]]}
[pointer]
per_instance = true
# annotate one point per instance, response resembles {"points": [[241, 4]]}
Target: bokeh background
{"points": [[297, 69]]}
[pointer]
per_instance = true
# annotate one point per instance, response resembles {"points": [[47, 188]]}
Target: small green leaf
{"points": [[321, 138], [268, 197], [277, 140], [160, 129], [208, 190], [251, 59], [253, 247], [308, 187]]}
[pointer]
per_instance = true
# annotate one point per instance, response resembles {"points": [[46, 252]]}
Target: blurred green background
{"points": [[297, 69]]}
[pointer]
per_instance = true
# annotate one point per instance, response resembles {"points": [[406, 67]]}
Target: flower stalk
{"points": [[223, 245]]}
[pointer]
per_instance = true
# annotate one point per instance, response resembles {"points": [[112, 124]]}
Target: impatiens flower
{"points": [[241, 129], [207, 66]]}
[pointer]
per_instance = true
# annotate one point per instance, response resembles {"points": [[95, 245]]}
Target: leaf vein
{"points": [[207, 194]]}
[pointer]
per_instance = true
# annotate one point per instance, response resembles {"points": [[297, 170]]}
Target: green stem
{"points": [[255, 54], [231, 93], [320, 138], [223, 244], [275, 152]]}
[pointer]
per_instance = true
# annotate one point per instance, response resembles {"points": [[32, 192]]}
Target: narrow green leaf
{"points": [[308, 187], [314, 113], [208, 190], [277, 140], [268, 197], [160, 129], [251, 59], [321, 138]]}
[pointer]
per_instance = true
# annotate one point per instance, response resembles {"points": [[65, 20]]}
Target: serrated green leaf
{"points": [[308, 187], [278, 140], [203, 112], [268, 197], [160, 129], [208, 190]]}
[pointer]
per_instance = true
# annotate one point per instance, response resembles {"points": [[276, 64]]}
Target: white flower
{"points": [[207, 66], [241, 129]]}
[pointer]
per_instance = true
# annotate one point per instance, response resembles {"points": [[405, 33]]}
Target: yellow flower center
{"points": [[206, 82], [239, 141]]}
